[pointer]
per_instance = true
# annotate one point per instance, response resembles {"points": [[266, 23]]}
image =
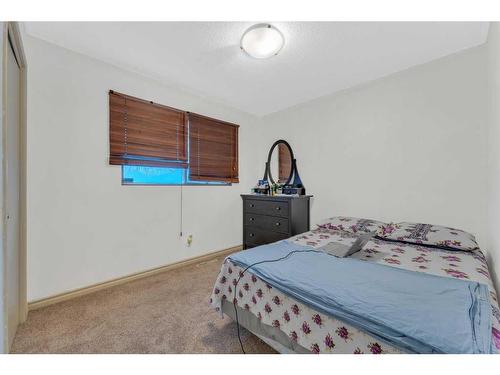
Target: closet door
{"points": [[12, 196]]}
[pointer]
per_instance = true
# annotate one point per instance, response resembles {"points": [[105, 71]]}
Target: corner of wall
{"points": [[3, 323], [493, 122]]}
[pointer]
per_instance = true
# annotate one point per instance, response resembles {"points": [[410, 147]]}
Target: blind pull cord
{"points": [[180, 234]]}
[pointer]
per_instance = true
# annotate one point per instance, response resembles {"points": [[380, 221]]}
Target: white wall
{"points": [[493, 50], [84, 227], [411, 146]]}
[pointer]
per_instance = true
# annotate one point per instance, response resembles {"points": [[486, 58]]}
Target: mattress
{"points": [[299, 328]]}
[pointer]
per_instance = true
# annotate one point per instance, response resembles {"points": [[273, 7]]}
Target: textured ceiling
{"points": [[318, 58]]}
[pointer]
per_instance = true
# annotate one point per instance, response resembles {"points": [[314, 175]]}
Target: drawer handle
{"points": [[251, 234], [278, 208], [252, 205], [252, 219], [278, 224]]}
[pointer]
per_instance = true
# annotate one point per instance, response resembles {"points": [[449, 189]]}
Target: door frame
{"points": [[12, 36]]}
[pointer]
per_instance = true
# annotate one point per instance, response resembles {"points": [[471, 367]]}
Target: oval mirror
{"points": [[280, 161]]}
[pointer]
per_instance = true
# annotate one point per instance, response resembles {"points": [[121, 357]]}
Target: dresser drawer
{"points": [[265, 207], [258, 236], [271, 223]]}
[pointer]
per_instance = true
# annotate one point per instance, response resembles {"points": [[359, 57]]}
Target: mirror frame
{"points": [[269, 156], [294, 178]]}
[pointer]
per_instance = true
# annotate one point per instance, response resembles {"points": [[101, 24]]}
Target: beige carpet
{"points": [[166, 313]]}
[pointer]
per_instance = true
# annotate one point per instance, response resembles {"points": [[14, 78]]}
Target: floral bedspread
{"points": [[321, 333]]}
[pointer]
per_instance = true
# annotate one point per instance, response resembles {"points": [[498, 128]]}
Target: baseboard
{"points": [[37, 304]]}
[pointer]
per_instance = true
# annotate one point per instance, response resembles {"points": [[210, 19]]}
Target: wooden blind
{"points": [[213, 149], [146, 133]]}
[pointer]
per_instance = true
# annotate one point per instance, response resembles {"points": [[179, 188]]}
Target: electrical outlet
{"points": [[189, 240]]}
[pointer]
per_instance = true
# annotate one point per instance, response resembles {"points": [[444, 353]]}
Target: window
{"points": [[141, 175], [159, 145]]}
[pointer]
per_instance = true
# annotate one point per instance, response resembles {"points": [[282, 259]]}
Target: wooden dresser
{"points": [[269, 219]]}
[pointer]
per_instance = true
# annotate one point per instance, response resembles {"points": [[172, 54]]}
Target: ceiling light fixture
{"points": [[262, 41]]}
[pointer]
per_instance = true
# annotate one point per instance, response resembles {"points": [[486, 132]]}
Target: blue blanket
{"points": [[417, 312]]}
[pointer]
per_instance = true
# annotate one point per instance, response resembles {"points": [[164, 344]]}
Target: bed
{"points": [[289, 325]]}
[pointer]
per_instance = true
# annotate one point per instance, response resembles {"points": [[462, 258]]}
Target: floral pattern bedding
{"points": [[321, 333], [351, 224], [427, 234]]}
